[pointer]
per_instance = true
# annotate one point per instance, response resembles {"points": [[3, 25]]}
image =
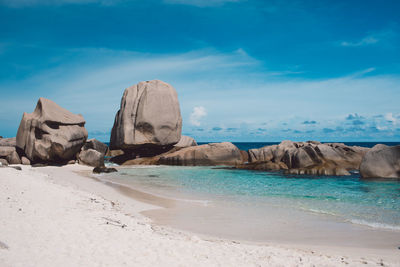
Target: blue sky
{"points": [[245, 70]]}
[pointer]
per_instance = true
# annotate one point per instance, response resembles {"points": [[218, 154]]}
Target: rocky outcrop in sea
{"points": [[310, 157]]}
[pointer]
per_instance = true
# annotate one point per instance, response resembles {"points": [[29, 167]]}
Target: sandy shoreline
{"points": [[53, 216]]}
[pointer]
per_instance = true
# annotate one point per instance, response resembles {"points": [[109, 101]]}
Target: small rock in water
{"points": [[104, 170]]}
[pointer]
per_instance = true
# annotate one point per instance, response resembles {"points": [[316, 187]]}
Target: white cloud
{"points": [[365, 41], [197, 114], [371, 39], [200, 3], [391, 118]]}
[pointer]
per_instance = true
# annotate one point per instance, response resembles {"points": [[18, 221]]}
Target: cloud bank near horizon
{"points": [[223, 96]]}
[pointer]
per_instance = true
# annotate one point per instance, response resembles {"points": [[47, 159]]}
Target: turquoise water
{"points": [[347, 198]]}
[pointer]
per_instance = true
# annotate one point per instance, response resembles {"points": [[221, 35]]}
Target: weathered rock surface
{"points": [[91, 157], [25, 161], [51, 133], [96, 145], [186, 141], [9, 153], [320, 170], [8, 141], [381, 161], [149, 116], [307, 158], [209, 154], [93, 153], [127, 159], [263, 165], [114, 153]]}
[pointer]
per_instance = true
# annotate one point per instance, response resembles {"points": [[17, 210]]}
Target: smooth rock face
{"points": [[381, 161], [308, 157], [209, 154], [91, 157], [51, 133], [25, 161], [186, 141], [149, 116]]}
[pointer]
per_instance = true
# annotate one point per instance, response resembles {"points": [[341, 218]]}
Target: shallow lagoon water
{"points": [[347, 198]]}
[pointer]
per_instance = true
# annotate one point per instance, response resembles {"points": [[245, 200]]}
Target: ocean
{"points": [[347, 198], [372, 203]]}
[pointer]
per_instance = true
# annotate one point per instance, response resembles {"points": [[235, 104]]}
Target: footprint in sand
{"points": [[3, 245]]}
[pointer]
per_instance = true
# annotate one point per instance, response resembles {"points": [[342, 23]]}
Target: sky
{"points": [[244, 70]]}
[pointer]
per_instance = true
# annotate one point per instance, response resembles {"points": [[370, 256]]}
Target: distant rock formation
{"points": [[51, 133], [208, 155], [149, 120], [310, 157], [381, 161], [186, 141]]}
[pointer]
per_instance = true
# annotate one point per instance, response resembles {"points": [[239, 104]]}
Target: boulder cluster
{"points": [[307, 158], [147, 130], [51, 135]]}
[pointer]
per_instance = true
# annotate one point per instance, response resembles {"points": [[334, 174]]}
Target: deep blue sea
{"points": [[347, 198]]}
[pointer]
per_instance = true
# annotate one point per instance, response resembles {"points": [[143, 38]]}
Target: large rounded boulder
{"points": [[149, 116], [381, 161], [51, 133]]}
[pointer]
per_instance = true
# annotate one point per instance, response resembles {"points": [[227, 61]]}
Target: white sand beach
{"points": [[55, 216]]}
